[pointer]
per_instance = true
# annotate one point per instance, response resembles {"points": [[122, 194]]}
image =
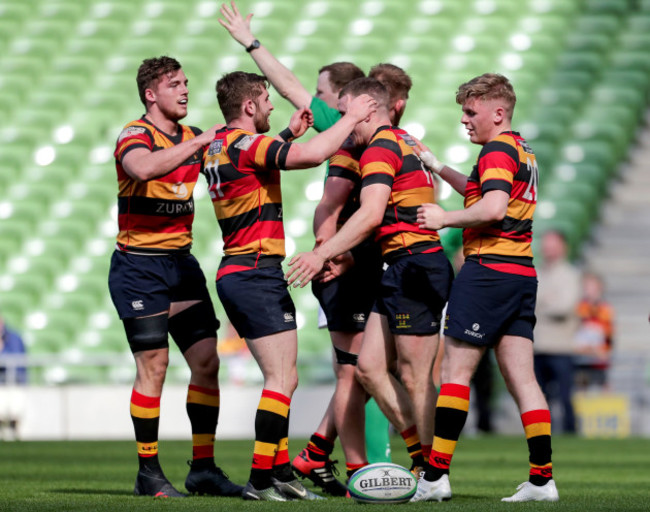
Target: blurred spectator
{"points": [[12, 374], [234, 352], [12, 369], [594, 336], [557, 323]]}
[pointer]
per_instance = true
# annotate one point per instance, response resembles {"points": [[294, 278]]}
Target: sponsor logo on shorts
{"points": [[137, 305], [359, 317], [288, 317], [474, 332]]}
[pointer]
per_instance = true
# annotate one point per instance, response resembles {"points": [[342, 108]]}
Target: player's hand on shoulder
{"points": [[208, 136], [430, 216], [239, 28], [361, 107]]}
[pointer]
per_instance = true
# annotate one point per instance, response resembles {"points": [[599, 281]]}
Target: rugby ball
{"points": [[382, 482]]}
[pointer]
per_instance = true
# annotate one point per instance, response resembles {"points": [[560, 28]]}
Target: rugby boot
{"points": [[268, 494], [321, 473], [210, 479], [438, 490], [152, 482], [531, 492]]}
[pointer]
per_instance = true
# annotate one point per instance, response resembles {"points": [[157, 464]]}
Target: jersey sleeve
{"points": [[132, 137], [258, 153], [343, 164], [497, 165], [324, 116]]}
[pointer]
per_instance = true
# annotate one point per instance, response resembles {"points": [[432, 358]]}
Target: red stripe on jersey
{"points": [[151, 224], [258, 231], [511, 268]]}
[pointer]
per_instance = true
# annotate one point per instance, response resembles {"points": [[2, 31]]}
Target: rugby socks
{"points": [[426, 452], [203, 410], [413, 446], [270, 427], [451, 414], [281, 463], [145, 413], [537, 425], [319, 447], [352, 468]]}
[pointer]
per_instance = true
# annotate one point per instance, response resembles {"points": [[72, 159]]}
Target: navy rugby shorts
{"points": [[486, 305]]}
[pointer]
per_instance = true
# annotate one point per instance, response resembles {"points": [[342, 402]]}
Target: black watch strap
{"points": [[254, 46]]}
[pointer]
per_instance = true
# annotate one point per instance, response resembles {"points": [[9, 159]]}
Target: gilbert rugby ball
{"points": [[382, 482]]}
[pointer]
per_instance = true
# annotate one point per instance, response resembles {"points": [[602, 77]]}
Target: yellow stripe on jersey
{"points": [[497, 173], [158, 240], [273, 245], [226, 208]]}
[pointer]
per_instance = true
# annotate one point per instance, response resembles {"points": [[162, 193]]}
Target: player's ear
{"points": [[150, 95], [249, 107]]}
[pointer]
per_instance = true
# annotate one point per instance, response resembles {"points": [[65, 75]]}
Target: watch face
{"points": [[254, 45]]}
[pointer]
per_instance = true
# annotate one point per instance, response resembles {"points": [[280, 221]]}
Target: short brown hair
{"points": [[151, 70], [235, 88], [341, 74], [488, 86], [394, 78], [367, 85]]}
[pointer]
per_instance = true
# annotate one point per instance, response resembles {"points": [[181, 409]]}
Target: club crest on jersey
{"points": [[215, 147], [246, 142], [179, 190], [130, 132], [408, 139]]}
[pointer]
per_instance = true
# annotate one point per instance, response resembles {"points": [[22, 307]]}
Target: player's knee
{"points": [[193, 324], [364, 375], [148, 333]]}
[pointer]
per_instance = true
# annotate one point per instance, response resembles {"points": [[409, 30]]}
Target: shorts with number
{"points": [[257, 301], [413, 293], [144, 285], [348, 299], [486, 305]]}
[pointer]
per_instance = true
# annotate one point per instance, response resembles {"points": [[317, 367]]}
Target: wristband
{"points": [[287, 135], [431, 161]]}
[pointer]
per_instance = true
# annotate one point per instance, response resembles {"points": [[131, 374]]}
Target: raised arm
{"points": [[142, 164], [282, 79]]}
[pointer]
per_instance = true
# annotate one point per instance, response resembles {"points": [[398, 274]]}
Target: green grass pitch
{"points": [[591, 475]]}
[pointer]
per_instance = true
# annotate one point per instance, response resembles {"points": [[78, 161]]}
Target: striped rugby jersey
{"points": [[505, 163], [243, 177], [155, 216], [389, 159]]}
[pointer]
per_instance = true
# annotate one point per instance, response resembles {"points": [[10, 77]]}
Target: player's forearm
{"points": [[325, 222], [281, 78], [457, 180], [482, 213], [146, 165], [352, 233], [322, 146]]}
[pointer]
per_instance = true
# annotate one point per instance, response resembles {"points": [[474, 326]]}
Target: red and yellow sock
{"points": [[319, 447], [270, 425], [203, 410], [145, 413], [451, 414], [413, 446], [537, 425]]}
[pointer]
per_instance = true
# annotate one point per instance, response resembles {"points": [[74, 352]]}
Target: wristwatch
{"points": [[254, 46]]}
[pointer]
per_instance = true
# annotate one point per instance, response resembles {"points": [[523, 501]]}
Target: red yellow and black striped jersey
{"points": [[243, 174], [345, 164], [155, 215], [505, 163], [389, 159]]}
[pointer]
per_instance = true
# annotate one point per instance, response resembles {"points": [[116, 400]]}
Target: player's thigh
{"points": [[377, 347], [275, 354]]}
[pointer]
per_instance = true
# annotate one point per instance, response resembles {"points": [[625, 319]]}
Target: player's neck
{"points": [[243, 123], [162, 122]]}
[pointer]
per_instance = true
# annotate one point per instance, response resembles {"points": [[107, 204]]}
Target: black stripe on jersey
{"points": [[496, 185], [404, 214], [269, 212], [233, 151], [524, 261], [341, 172], [515, 226], [132, 147], [138, 205], [379, 177], [254, 260], [500, 147], [411, 163], [388, 144], [282, 157]]}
